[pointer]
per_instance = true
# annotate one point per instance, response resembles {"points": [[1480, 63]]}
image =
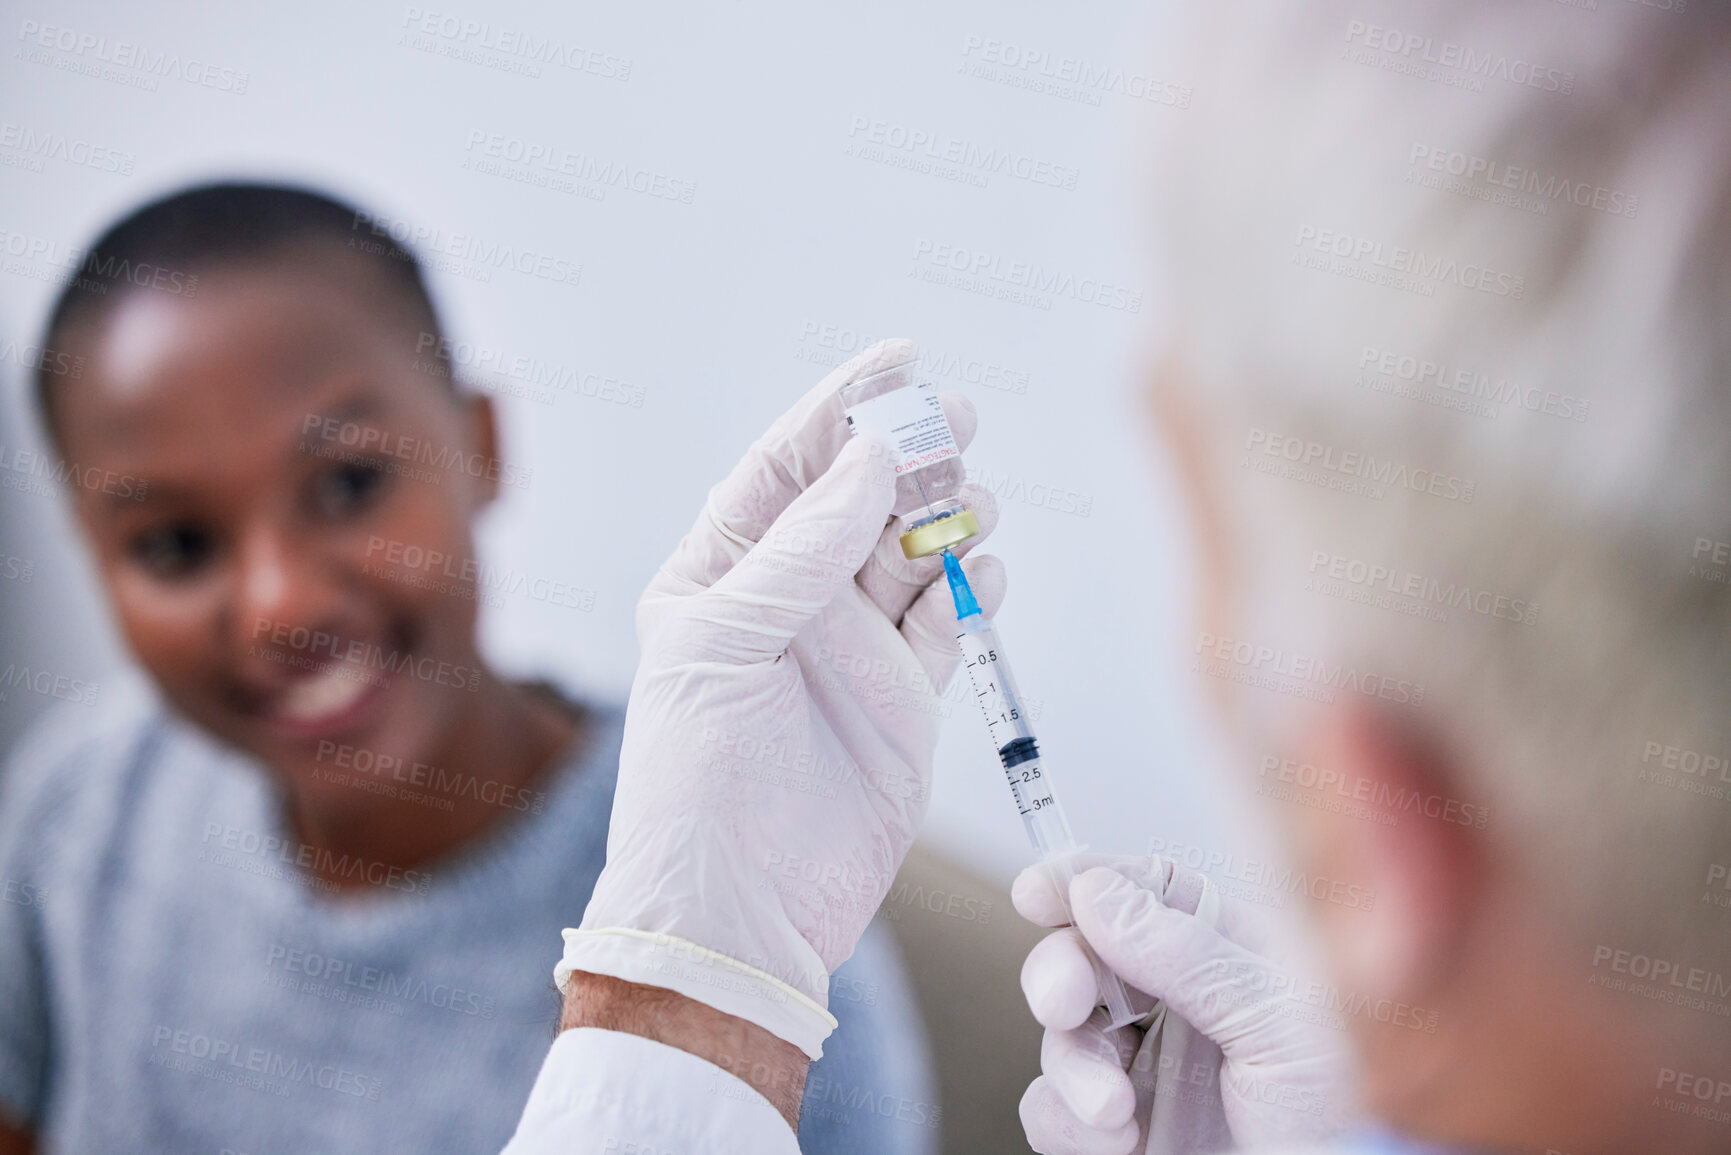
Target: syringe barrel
{"points": [[1048, 829], [979, 630], [1019, 752], [1013, 735]]}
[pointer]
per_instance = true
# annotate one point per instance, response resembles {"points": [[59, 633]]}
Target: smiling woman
{"points": [[241, 578], [336, 842]]}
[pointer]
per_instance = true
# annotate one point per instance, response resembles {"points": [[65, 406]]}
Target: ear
{"points": [[1387, 816], [481, 420]]}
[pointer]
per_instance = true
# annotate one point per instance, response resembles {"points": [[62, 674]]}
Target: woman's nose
{"points": [[283, 586]]}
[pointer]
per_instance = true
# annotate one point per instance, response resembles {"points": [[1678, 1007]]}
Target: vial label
{"points": [[913, 422]]}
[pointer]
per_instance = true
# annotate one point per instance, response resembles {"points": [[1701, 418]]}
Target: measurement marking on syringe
{"points": [[1036, 799]]}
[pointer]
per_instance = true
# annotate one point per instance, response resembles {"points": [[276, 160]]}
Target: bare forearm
{"points": [[771, 1066]]}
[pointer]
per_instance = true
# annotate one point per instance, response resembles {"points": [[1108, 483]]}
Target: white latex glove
{"points": [[1230, 1056], [778, 744]]}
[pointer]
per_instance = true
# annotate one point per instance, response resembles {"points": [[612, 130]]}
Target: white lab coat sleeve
{"points": [[607, 1091]]}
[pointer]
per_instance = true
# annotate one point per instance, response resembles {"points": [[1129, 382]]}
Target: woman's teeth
{"points": [[323, 695]]}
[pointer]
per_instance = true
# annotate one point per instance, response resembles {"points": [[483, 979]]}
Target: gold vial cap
{"points": [[939, 534]]}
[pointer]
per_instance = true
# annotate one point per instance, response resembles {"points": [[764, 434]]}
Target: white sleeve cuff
{"points": [[607, 1091], [698, 973]]}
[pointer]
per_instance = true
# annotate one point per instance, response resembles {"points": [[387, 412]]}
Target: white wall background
{"points": [[791, 253]]}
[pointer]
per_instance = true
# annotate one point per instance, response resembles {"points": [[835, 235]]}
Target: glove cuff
{"points": [[700, 974]]}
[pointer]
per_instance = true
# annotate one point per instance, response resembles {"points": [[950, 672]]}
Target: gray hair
{"points": [[1451, 287]]}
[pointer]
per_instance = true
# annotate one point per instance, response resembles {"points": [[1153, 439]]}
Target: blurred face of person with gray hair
{"points": [[1378, 272], [1447, 377]]}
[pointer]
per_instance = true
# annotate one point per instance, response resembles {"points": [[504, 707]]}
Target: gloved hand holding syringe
{"points": [[1048, 830], [929, 474]]}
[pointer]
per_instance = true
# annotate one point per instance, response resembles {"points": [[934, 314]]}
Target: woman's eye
{"points": [[172, 551], [348, 488]]}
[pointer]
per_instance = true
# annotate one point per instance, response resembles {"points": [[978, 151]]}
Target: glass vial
{"points": [[905, 411]]}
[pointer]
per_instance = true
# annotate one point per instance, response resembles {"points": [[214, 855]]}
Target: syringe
{"points": [[1013, 737]]}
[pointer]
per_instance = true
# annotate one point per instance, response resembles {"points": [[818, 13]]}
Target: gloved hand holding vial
{"points": [[730, 878], [903, 410]]}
